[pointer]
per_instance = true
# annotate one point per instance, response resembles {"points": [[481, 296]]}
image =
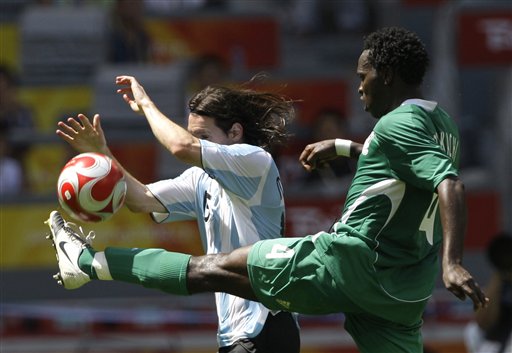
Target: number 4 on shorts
{"points": [[280, 251]]}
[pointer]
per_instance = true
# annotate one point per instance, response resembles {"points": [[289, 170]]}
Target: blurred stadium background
{"points": [[66, 53]]}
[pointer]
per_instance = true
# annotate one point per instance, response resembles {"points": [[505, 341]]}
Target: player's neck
{"points": [[406, 92]]}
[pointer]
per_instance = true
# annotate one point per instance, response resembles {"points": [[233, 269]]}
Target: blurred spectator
{"points": [[16, 119], [330, 16], [330, 180], [491, 332], [129, 40], [11, 173], [11, 10], [13, 112], [206, 70], [329, 124]]}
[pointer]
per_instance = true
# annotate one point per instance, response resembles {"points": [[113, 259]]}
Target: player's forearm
{"points": [[452, 206], [138, 198], [172, 136], [355, 150], [347, 148]]}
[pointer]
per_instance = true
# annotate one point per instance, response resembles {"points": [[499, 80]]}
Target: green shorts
{"points": [[290, 274], [287, 273]]}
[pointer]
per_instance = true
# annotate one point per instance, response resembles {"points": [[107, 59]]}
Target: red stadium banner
{"points": [[253, 42], [311, 96], [485, 38]]}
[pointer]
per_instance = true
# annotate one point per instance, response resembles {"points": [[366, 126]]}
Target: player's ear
{"points": [[236, 133]]}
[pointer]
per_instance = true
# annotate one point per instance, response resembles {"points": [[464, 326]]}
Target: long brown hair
{"points": [[263, 115]]}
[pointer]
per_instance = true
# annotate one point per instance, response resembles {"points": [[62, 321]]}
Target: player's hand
{"points": [[315, 155], [460, 282], [133, 93], [82, 135]]}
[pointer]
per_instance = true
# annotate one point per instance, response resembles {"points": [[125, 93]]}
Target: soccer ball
{"points": [[91, 187]]}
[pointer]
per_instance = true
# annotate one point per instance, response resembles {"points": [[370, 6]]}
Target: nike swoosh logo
{"points": [[62, 246]]}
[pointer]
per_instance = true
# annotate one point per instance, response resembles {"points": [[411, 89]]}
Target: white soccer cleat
{"points": [[68, 246]]}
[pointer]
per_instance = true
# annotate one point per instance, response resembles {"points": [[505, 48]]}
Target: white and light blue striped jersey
{"points": [[237, 200]]}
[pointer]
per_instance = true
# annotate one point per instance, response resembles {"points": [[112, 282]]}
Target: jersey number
{"points": [[206, 206], [427, 224], [280, 251]]}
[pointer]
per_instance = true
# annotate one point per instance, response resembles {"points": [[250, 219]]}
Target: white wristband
{"points": [[342, 147]]}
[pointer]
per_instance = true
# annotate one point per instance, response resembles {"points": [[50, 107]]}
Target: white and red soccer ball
{"points": [[91, 187]]}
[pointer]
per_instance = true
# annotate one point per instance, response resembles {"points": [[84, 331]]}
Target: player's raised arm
{"points": [[172, 136], [83, 137], [316, 154], [453, 217]]}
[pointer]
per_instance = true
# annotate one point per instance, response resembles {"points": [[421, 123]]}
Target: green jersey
{"points": [[391, 210]]}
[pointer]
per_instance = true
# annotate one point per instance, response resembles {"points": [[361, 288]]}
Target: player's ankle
{"points": [[85, 262]]}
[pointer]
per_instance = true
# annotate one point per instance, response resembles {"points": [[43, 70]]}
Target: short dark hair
{"points": [[263, 115], [400, 50]]}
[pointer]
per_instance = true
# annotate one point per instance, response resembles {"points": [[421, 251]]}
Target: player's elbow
{"points": [[187, 152], [180, 150]]}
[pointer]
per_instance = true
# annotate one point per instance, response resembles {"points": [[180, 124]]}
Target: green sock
{"points": [[152, 268], [85, 262]]}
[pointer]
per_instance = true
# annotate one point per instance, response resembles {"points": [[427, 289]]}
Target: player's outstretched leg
{"points": [[171, 272], [68, 246], [79, 263]]}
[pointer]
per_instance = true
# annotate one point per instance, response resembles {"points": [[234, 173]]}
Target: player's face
{"points": [[372, 90], [204, 128]]}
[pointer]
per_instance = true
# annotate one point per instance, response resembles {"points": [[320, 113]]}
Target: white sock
{"points": [[100, 265]]}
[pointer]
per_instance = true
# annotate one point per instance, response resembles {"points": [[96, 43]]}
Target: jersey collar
{"points": [[427, 105]]}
